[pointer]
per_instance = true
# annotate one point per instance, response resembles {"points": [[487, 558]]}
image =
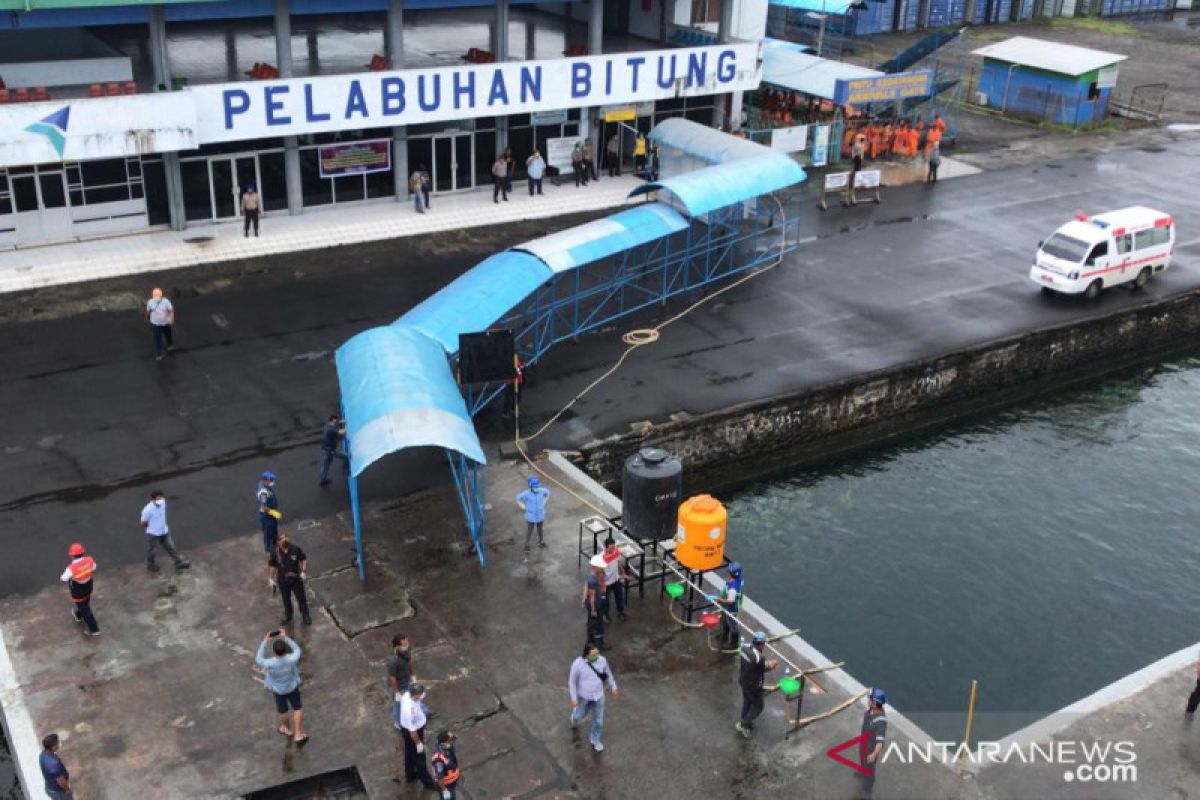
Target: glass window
{"points": [[381, 184], [1161, 236], [1099, 251], [420, 155], [1124, 243], [5, 204], [317, 191], [76, 197], [197, 199], [106, 194], [134, 167], [1065, 247], [74, 177], [518, 121], [135, 191], [272, 175], [24, 193], [54, 194], [521, 142], [101, 173], [673, 104], [155, 181], [348, 188], [485, 156]]}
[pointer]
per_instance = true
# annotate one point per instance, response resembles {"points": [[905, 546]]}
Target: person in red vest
{"points": [[78, 578], [445, 766]]}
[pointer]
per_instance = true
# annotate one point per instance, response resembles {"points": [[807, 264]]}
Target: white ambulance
{"points": [[1091, 253]]}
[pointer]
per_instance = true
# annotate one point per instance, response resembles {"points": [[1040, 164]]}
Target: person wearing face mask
{"points": [[268, 510], [154, 523], [590, 673], [445, 765], [399, 674]]}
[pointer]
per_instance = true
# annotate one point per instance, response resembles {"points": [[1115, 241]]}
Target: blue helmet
{"points": [[268, 475], [534, 482], [878, 696], [735, 568], [760, 637]]}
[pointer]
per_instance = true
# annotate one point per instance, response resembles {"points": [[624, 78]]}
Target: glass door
{"points": [[246, 175], [462, 157], [229, 177], [453, 163], [56, 214]]}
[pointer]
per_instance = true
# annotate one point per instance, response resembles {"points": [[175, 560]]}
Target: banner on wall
{"points": [[252, 110], [355, 158], [790, 140], [558, 151]]}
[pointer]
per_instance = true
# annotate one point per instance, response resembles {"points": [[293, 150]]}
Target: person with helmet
{"points": [[533, 502], [161, 316], [730, 600], [752, 676], [268, 510], [593, 601], [874, 732], [78, 578], [445, 765]]}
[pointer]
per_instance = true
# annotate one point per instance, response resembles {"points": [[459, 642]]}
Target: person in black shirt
{"points": [[399, 673], [331, 446], [754, 667], [874, 729], [287, 569]]}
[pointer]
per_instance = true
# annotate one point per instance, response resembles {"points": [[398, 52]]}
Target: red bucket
{"points": [[710, 619]]}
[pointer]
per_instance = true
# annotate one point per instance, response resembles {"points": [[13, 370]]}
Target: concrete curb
{"points": [[18, 725]]}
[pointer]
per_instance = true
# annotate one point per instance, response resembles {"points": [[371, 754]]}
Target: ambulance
{"points": [[1089, 254]]}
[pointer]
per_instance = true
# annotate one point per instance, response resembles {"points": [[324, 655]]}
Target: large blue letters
{"points": [[227, 99], [635, 64], [665, 81], [531, 84], [726, 66], [697, 64], [391, 89], [429, 105], [274, 105], [355, 102], [581, 80], [499, 91], [309, 113], [467, 88]]}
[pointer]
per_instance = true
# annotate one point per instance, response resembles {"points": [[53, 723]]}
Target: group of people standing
{"points": [[876, 139]]}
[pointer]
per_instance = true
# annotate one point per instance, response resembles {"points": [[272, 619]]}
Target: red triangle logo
{"points": [[860, 742]]}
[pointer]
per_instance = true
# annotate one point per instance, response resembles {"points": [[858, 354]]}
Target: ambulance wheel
{"points": [[1093, 290], [1047, 291], [1142, 278]]}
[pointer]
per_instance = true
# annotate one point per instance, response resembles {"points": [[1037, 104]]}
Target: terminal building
{"points": [[122, 117]]}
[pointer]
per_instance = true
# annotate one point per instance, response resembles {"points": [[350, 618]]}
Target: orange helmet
{"points": [[156, 293], [75, 550]]}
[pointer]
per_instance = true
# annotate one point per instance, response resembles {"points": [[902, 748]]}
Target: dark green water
{"points": [[1046, 551]]}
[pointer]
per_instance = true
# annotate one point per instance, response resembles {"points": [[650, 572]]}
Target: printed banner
{"points": [[555, 117], [883, 88], [558, 151], [252, 110], [355, 159], [820, 153], [790, 140]]}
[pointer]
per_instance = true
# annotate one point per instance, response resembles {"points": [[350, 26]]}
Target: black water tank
{"points": [[651, 491]]}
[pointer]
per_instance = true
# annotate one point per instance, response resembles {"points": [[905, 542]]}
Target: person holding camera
{"points": [[282, 679]]}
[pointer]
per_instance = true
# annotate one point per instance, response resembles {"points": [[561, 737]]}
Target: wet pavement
{"points": [[94, 424]]}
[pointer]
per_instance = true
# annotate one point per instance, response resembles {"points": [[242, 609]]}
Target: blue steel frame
{"points": [[721, 244]]}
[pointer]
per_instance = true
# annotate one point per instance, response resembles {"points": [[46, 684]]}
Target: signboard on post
{"points": [[555, 117], [355, 159], [820, 153], [558, 151], [883, 88], [790, 140], [1107, 78]]}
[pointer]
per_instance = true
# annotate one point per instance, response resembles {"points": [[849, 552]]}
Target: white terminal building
{"points": [[121, 117]]}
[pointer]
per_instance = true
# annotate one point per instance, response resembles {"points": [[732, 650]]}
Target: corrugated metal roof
{"points": [[601, 238], [786, 67], [704, 142], [820, 6], [478, 298], [727, 184], [398, 391], [1065, 59]]}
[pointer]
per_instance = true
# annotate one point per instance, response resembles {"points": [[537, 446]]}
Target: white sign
{"points": [[251, 110], [109, 127], [820, 153], [836, 180], [554, 117], [558, 151], [1107, 77], [867, 179], [790, 140]]}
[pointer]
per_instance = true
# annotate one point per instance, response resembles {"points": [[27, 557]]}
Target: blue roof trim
{"points": [[727, 184], [704, 142], [592, 241], [398, 391], [478, 298]]}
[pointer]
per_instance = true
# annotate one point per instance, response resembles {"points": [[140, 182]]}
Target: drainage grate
{"points": [[341, 784]]}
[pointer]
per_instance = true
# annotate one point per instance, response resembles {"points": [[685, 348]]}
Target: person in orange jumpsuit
{"points": [[914, 136], [900, 139], [847, 140], [935, 136], [872, 140], [885, 142]]}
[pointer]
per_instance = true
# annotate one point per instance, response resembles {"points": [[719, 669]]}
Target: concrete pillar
{"points": [[595, 47], [724, 36], [162, 78], [231, 57], [500, 51], [291, 146], [312, 45], [395, 53], [530, 41], [922, 15]]}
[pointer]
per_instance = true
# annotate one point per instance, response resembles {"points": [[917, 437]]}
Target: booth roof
{"points": [[785, 65], [1065, 59]]}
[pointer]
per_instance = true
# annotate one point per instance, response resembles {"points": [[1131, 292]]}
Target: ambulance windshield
{"points": [[1066, 248]]}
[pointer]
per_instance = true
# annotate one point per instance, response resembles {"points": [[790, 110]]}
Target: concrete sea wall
{"points": [[754, 437]]}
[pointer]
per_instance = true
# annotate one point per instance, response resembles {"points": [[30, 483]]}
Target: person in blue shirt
{"points": [[332, 437], [58, 780], [268, 510], [282, 679], [533, 502], [730, 599]]}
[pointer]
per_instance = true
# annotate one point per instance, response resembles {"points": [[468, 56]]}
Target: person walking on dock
{"points": [[399, 674], [160, 313], [333, 436], [874, 732], [1194, 698], [612, 153], [416, 189], [754, 668], [54, 772], [445, 765], [935, 161], [268, 510], [287, 568], [730, 600], [78, 577], [535, 169], [282, 679], [499, 179], [154, 523], [412, 724], [593, 601], [590, 673], [589, 160], [577, 165], [532, 501], [615, 577]]}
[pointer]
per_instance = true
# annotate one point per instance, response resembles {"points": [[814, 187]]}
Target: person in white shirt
{"points": [[161, 316], [154, 523], [412, 723]]}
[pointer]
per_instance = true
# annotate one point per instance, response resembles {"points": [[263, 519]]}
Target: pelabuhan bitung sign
{"points": [[251, 110]]}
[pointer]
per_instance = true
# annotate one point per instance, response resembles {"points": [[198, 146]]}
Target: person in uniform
{"points": [[268, 510], [78, 578], [874, 731], [332, 437], [412, 724], [287, 568], [730, 600], [445, 765], [532, 502], [751, 677]]}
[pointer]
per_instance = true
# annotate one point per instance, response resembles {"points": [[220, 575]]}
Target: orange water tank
{"points": [[700, 537]]}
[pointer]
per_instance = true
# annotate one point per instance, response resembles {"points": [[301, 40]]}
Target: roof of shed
{"points": [[1065, 59]]}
